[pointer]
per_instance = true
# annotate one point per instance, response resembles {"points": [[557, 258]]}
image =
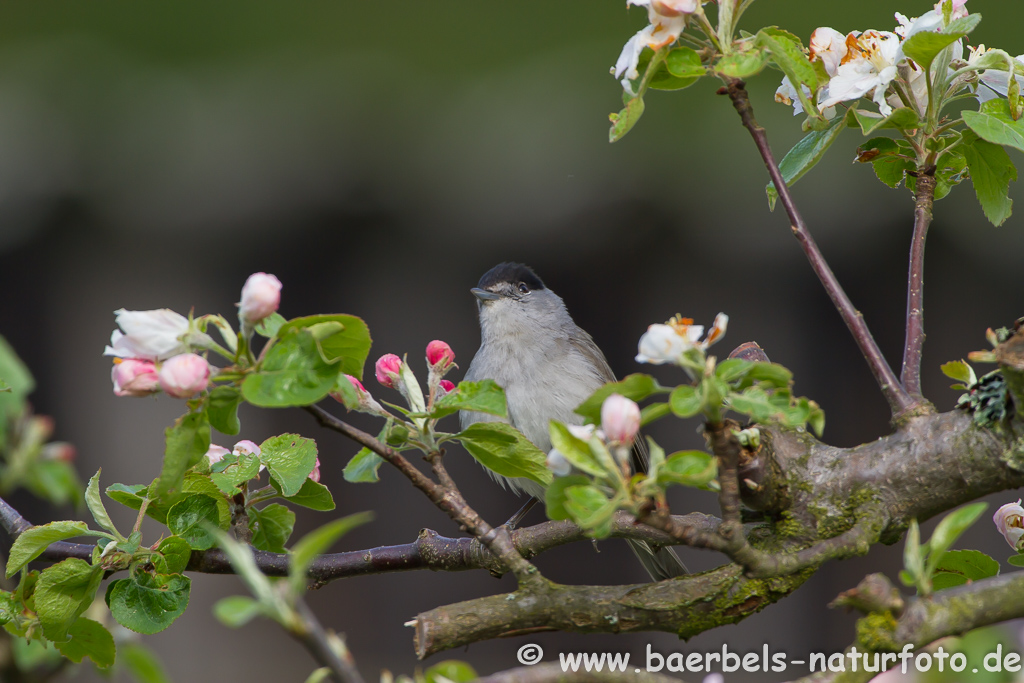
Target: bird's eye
{"points": [[523, 289]]}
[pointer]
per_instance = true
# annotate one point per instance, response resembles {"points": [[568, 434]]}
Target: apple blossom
{"points": [[148, 335], [828, 46], [620, 419], [557, 463], [868, 69], [440, 354], [261, 295], [246, 447], [446, 386], [666, 343], [315, 474], [667, 20], [134, 377], [215, 453], [387, 368], [1009, 520], [185, 375]]}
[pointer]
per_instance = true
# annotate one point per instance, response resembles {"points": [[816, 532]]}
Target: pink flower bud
{"points": [[215, 453], [1009, 519], [446, 386], [58, 450], [620, 419], [315, 474], [387, 369], [439, 353], [261, 296], [246, 447], [185, 375], [357, 384], [134, 377]]}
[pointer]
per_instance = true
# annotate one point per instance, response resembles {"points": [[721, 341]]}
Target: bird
{"points": [[547, 366]]}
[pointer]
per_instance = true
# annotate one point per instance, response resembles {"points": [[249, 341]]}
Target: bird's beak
{"points": [[484, 295]]}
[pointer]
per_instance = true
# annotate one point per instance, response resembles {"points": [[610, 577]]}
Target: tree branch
{"points": [[899, 400], [925, 197]]}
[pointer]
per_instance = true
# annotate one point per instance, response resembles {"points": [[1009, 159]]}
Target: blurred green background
{"points": [[378, 158]]}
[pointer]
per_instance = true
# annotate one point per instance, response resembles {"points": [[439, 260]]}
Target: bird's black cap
{"points": [[512, 273]]}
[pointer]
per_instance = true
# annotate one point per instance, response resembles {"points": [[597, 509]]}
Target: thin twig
{"points": [[899, 400], [319, 643], [925, 197]]}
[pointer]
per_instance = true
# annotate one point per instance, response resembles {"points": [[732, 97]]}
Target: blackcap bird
{"points": [[547, 366]]}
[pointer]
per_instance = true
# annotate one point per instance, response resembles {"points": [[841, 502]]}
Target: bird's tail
{"points": [[660, 562]]}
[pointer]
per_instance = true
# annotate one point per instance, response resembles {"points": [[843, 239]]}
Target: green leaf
{"points": [[957, 567], [187, 442], [575, 450], [350, 343], [148, 603], [237, 610], [625, 119], [223, 409], [233, 471], [317, 542], [653, 411], [128, 495], [688, 468], [591, 509], [17, 378], [32, 542], [95, 504], [635, 387], [805, 155], [884, 155], [925, 46], [503, 449], [742, 64], [991, 172], [994, 123], [483, 397], [143, 664], [787, 52], [450, 670], [191, 517], [913, 560], [290, 459], [89, 639], [960, 371], [903, 118], [53, 480], [681, 69], [319, 675], [686, 401], [271, 527], [63, 592], [293, 373], [768, 374], [554, 495], [950, 529], [732, 369], [363, 466], [177, 552], [312, 495], [269, 326], [1016, 560], [8, 607]]}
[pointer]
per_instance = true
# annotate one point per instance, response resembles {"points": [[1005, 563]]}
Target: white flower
{"points": [[215, 453], [150, 335], [869, 68], [1009, 519], [993, 82], [666, 343], [827, 46], [667, 20]]}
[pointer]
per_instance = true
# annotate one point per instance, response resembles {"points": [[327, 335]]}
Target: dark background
{"points": [[378, 158]]}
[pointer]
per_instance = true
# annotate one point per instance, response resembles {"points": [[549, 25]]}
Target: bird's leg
{"points": [[514, 521]]}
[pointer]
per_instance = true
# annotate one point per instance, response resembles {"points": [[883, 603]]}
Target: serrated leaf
{"points": [[903, 118], [290, 459], [503, 449], [317, 542], [805, 155], [64, 591], [346, 347], [960, 371], [483, 397], [635, 387], [363, 467], [624, 121], [271, 527], [991, 170], [222, 409], [293, 372], [957, 567], [554, 495], [95, 505], [186, 443], [923, 47], [237, 610], [191, 519], [591, 509], [994, 123], [233, 471], [742, 64], [32, 542], [269, 326], [148, 603], [176, 553], [686, 401], [312, 495], [90, 639], [688, 468]]}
